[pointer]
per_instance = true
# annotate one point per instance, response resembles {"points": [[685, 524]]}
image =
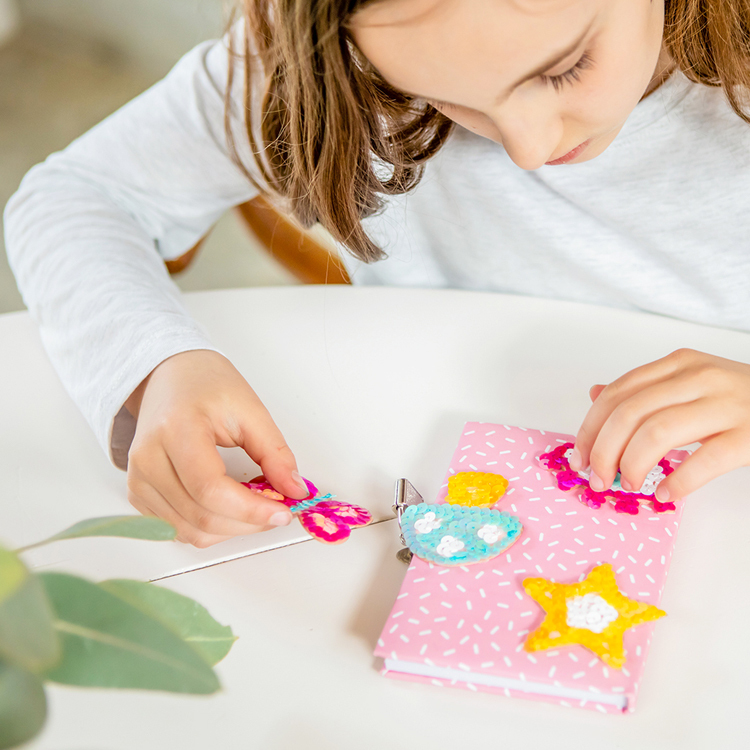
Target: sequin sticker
{"points": [[457, 534], [324, 518], [476, 488], [624, 501], [593, 613]]}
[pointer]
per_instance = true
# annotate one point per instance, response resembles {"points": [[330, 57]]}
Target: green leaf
{"points": [[184, 616], [107, 642], [23, 706], [12, 573], [131, 527], [27, 637]]}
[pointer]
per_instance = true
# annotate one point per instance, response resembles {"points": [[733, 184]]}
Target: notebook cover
{"points": [[475, 618]]}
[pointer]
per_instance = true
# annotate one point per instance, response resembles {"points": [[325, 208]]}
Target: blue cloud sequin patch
{"points": [[457, 534]]}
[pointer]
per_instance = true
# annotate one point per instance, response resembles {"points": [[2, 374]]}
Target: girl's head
{"points": [[360, 93], [547, 79]]}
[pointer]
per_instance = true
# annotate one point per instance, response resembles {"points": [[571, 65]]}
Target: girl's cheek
{"points": [[476, 122]]}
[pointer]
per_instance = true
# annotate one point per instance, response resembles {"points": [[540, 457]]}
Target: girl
{"points": [[592, 150]]}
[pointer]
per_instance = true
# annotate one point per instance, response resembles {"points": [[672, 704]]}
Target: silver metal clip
{"points": [[405, 495]]}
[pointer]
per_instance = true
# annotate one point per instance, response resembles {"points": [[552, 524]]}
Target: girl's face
{"points": [[553, 81]]}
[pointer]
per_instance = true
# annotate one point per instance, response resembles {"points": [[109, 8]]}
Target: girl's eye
{"points": [[569, 76]]}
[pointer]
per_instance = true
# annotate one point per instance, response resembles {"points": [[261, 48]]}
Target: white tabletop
{"points": [[302, 675], [369, 385]]}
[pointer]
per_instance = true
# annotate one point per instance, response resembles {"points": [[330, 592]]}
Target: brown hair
{"points": [[332, 137], [709, 41]]}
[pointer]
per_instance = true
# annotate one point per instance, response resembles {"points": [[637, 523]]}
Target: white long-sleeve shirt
{"points": [[659, 222]]}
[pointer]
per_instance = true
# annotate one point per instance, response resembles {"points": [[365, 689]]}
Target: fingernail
{"points": [[299, 480], [662, 494], [280, 519], [625, 484], [596, 483], [575, 460]]}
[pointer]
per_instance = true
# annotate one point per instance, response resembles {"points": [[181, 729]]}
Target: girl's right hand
{"points": [[188, 405]]}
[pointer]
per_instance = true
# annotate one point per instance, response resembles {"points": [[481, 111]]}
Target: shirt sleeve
{"points": [[88, 231]]}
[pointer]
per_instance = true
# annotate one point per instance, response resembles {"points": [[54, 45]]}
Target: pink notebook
{"points": [[465, 626]]}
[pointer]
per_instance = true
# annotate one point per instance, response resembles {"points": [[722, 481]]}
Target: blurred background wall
{"points": [[154, 33], [67, 64]]}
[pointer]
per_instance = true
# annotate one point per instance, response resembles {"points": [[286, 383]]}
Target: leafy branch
{"points": [[115, 634]]}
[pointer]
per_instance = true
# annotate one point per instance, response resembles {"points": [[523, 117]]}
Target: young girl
{"points": [[591, 150]]}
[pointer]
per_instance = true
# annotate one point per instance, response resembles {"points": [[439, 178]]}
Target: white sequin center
{"points": [[449, 545], [427, 523], [586, 473], [653, 478], [491, 533], [591, 612]]}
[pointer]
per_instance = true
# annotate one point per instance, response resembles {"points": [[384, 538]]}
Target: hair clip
{"points": [[451, 534], [593, 613], [625, 501], [325, 519]]}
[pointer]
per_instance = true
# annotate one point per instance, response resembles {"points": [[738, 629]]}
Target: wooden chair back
{"points": [[297, 250]]}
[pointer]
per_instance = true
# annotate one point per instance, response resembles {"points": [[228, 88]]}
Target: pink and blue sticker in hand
{"points": [[324, 518], [447, 534], [624, 501]]}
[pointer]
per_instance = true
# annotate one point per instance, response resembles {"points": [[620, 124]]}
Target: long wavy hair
{"points": [[332, 138]]}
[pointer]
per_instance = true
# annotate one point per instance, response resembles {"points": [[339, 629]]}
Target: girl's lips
{"points": [[570, 155]]}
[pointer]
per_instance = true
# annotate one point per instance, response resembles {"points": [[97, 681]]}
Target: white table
{"points": [[302, 675], [389, 378]]}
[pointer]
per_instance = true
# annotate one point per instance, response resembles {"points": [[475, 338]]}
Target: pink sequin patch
{"points": [[624, 502], [325, 519]]}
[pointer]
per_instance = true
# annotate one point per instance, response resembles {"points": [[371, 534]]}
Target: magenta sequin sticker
{"points": [[624, 501], [324, 518]]}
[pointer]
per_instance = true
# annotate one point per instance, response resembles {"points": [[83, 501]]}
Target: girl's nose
{"points": [[530, 138]]}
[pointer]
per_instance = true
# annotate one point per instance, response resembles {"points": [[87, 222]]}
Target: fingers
{"points": [[199, 477], [161, 490], [619, 395], [683, 398], [595, 392], [666, 429], [265, 444], [190, 404], [618, 424], [158, 507], [715, 457]]}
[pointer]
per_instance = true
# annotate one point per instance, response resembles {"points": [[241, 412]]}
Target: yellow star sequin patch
{"points": [[593, 613]]}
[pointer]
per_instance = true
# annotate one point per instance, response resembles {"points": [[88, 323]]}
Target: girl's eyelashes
{"points": [[573, 75]]}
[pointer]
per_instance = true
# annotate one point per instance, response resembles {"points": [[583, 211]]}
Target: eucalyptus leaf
{"points": [[27, 637], [23, 706], [107, 642], [12, 573], [188, 619], [131, 527]]}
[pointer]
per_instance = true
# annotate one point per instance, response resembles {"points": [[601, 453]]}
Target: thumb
{"points": [[280, 469], [267, 447], [595, 391]]}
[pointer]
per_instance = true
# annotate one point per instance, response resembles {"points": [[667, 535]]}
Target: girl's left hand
{"points": [[685, 397]]}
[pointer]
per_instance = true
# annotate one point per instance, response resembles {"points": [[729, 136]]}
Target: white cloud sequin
{"points": [[449, 545], [591, 612], [491, 533], [427, 523]]}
